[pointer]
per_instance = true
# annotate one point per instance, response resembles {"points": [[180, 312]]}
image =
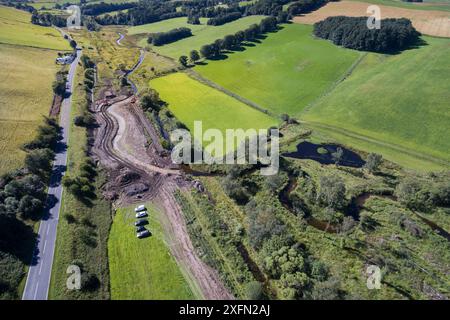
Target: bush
{"points": [[254, 290]]}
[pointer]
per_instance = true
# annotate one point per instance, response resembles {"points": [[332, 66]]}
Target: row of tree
{"points": [[142, 13], [224, 18], [230, 42], [305, 6], [22, 197], [162, 38], [47, 19], [353, 32], [94, 9]]}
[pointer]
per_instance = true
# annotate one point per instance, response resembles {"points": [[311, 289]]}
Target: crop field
{"points": [[192, 101], [16, 28], [143, 268], [25, 96], [202, 34], [285, 72], [401, 99], [25, 93], [430, 22]]}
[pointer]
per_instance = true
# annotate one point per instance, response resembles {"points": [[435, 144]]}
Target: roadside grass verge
{"points": [[400, 99], [143, 268], [285, 72], [83, 242]]}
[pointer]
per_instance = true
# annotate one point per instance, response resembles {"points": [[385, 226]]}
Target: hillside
{"points": [[26, 93]]}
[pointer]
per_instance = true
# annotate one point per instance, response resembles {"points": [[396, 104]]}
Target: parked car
{"points": [[143, 234], [139, 208], [140, 229], [141, 214], [141, 222]]}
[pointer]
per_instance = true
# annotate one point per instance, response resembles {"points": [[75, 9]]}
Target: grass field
{"points": [[202, 34], [192, 101], [16, 28], [430, 22], [25, 92], [143, 268], [401, 99], [25, 96], [285, 72]]}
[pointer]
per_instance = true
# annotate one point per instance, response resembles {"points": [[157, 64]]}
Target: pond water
{"points": [[323, 153]]}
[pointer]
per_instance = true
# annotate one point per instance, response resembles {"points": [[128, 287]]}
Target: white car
{"points": [[143, 234], [141, 214], [139, 208]]}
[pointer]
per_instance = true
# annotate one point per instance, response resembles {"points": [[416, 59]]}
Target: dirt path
{"points": [[430, 22], [127, 144]]}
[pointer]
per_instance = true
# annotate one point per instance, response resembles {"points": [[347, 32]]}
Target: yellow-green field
{"points": [[143, 268], [192, 101], [28, 70], [25, 96]]}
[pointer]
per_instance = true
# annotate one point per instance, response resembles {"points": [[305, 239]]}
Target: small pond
{"points": [[323, 153]]}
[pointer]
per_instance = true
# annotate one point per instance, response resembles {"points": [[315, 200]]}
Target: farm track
{"points": [[113, 131]]}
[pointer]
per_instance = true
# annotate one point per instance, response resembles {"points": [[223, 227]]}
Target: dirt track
{"points": [[430, 22], [139, 169]]}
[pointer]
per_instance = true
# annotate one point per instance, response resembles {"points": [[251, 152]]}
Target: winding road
{"points": [[39, 273]]}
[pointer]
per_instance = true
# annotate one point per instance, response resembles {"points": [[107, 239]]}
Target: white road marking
{"points": [[48, 228], [40, 268], [35, 291], [45, 244]]}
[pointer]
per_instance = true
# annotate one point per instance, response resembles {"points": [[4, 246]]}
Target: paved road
{"points": [[38, 280]]}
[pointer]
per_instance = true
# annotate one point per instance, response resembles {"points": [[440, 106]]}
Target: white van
{"points": [[139, 208]]}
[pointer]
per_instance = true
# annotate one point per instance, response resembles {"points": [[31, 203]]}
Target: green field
{"points": [[143, 268], [192, 101], [202, 34], [25, 93], [16, 28], [285, 72], [401, 99]]}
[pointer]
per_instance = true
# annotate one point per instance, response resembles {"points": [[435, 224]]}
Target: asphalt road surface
{"points": [[39, 273]]}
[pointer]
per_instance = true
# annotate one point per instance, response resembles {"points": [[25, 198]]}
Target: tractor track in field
{"points": [[139, 169]]}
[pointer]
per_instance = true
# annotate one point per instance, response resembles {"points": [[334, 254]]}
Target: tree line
{"points": [[305, 6], [95, 9], [352, 32], [224, 18], [22, 198], [47, 20], [161, 38], [233, 41], [142, 13]]}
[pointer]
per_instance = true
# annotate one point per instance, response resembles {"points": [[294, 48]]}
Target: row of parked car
{"points": [[141, 215]]}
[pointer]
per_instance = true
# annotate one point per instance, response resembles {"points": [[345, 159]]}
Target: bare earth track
{"points": [[139, 169], [430, 22]]}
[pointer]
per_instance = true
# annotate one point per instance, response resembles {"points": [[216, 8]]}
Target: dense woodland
{"points": [[352, 32]]}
